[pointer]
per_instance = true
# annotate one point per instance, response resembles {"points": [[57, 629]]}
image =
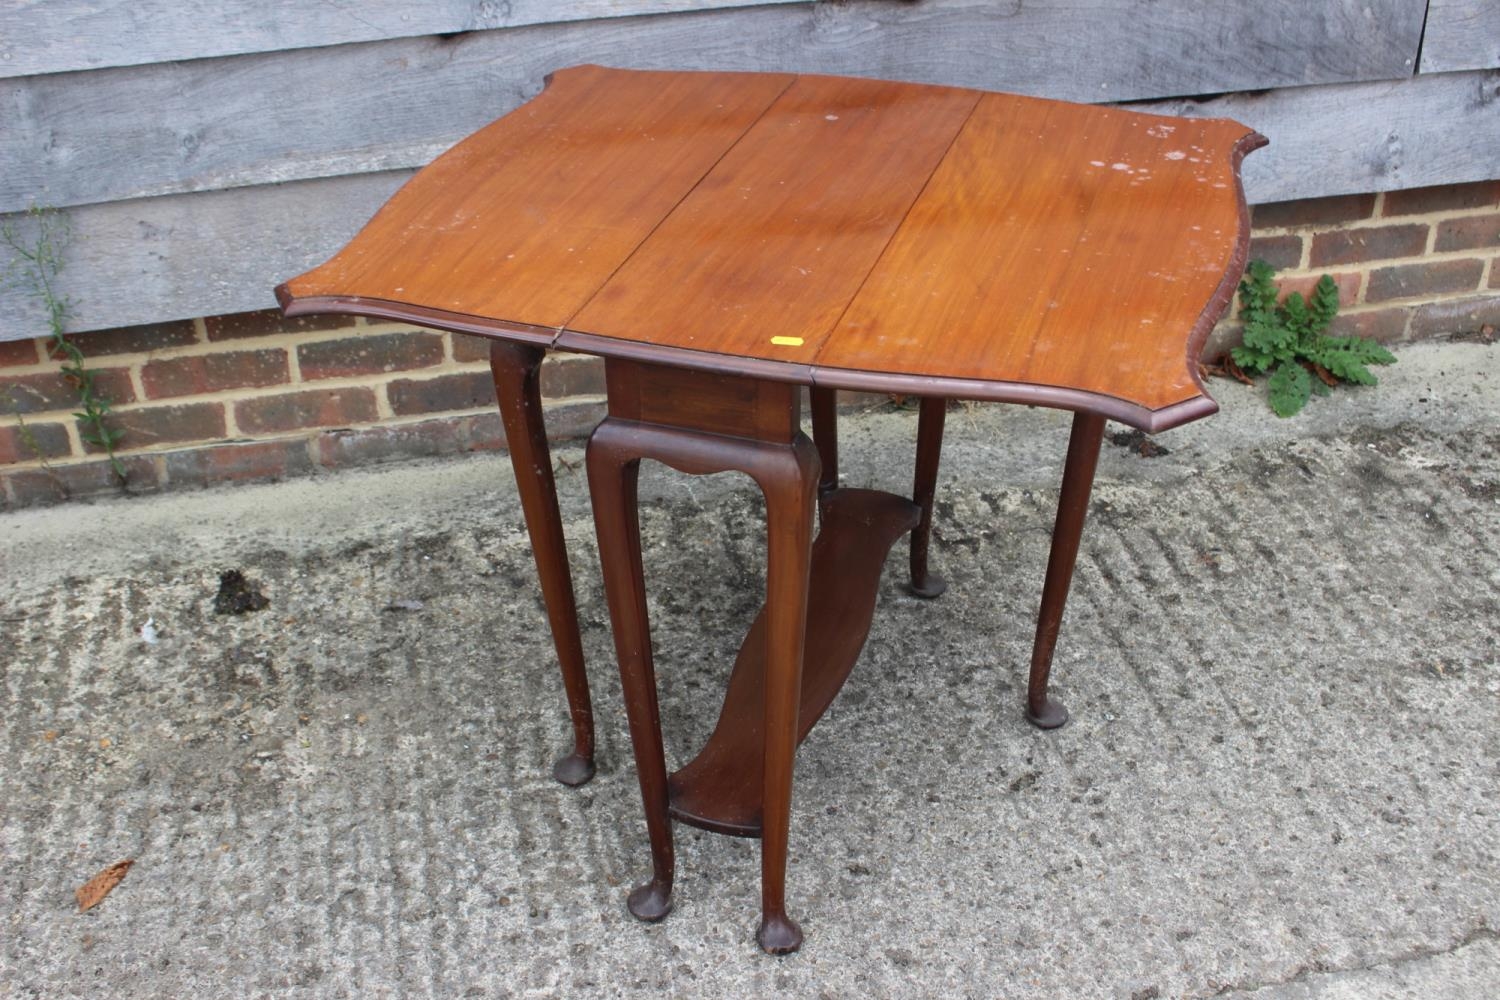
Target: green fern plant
{"points": [[35, 262], [1287, 340]]}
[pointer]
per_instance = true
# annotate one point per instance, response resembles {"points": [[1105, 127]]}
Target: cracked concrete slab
{"points": [[1281, 779], [1465, 971]]}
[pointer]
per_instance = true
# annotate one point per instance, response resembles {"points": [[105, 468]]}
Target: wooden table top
{"points": [[842, 232]]}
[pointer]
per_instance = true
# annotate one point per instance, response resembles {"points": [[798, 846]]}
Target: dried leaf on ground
{"points": [[1224, 367], [1235, 372], [92, 892], [1138, 442]]}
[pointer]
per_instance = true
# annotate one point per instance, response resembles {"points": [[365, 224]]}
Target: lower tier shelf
{"points": [[721, 788]]}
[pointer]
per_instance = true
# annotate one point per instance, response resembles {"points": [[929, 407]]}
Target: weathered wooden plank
{"points": [[65, 35], [196, 254], [126, 133], [1353, 138], [201, 254], [1461, 34]]}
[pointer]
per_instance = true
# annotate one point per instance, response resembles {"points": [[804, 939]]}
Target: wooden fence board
{"points": [[65, 35], [199, 254], [125, 133], [155, 259], [1461, 34], [1384, 136]]}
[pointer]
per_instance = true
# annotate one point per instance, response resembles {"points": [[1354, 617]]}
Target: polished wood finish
{"points": [[1061, 245], [1043, 711], [825, 426], [796, 214], [724, 240], [717, 404], [516, 372], [787, 473], [524, 220], [835, 232], [720, 788]]}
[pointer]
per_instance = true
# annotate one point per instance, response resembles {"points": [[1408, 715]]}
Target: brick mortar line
{"points": [[1366, 266], [1427, 256], [231, 422], [309, 434], [1373, 222], [236, 395], [201, 348], [383, 409], [137, 384], [1406, 303], [371, 381], [193, 350], [1437, 256], [1418, 300], [70, 427], [294, 365]]}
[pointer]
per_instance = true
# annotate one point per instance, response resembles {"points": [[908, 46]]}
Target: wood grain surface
{"points": [[763, 256], [1461, 34], [195, 124], [836, 231], [64, 35], [1060, 245], [524, 220]]}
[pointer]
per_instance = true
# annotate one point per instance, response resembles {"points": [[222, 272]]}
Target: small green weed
{"points": [[1287, 340], [36, 258]]}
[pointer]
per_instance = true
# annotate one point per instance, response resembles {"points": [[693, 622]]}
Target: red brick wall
{"points": [[254, 396], [1410, 265]]}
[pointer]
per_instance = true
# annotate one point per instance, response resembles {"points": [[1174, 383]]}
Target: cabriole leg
{"points": [[1043, 711], [613, 473], [788, 487], [515, 369]]}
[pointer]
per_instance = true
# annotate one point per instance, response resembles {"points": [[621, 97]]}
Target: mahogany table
{"points": [[724, 240]]}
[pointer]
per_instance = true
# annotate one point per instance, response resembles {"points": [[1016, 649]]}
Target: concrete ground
{"points": [[1282, 777]]}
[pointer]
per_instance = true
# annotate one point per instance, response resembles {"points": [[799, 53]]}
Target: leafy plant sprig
{"points": [[1287, 340], [35, 263]]}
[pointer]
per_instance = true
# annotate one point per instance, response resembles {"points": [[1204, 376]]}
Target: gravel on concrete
{"points": [[1281, 780]]}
